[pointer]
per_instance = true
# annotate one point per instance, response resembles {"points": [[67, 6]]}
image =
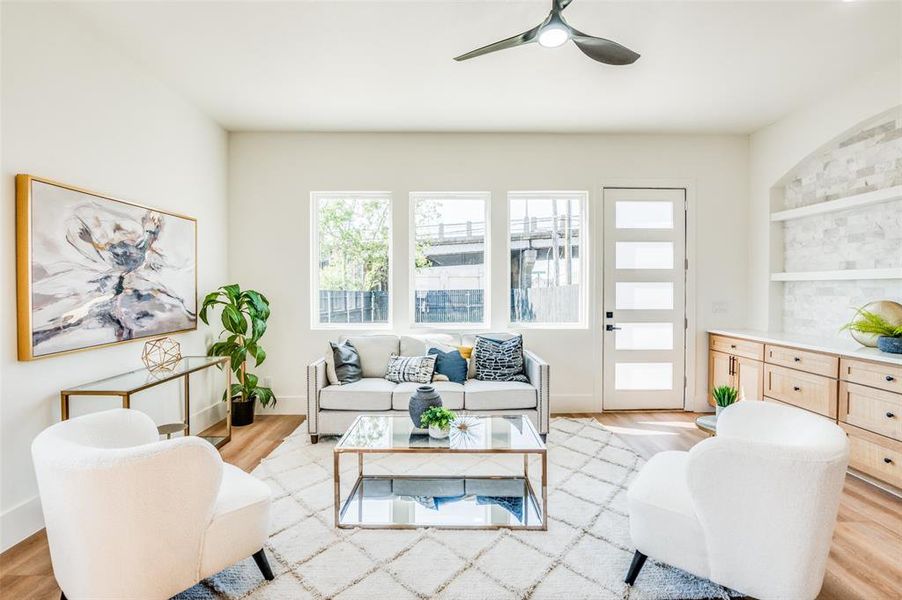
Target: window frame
{"points": [[315, 197], [584, 262], [413, 197]]}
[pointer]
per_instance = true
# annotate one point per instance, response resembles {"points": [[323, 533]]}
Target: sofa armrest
{"points": [[316, 381], [539, 373]]}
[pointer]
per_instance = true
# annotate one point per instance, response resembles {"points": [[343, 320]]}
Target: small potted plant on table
{"points": [[889, 335], [438, 420], [244, 316], [724, 396]]}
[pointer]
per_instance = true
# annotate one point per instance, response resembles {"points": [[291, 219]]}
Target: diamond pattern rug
{"points": [[584, 554]]}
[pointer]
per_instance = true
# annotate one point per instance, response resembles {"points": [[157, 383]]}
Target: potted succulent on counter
{"points": [[724, 396], [889, 335], [438, 419], [244, 316]]}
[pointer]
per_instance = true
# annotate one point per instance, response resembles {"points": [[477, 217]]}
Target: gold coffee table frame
{"points": [[341, 506]]}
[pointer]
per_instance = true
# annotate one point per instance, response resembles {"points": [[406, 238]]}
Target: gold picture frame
{"points": [[94, 250]]}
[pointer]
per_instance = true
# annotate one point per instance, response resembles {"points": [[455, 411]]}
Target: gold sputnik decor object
{"points": [[161, 354]]}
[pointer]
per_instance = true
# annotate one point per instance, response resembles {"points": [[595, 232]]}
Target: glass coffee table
{"points": [[444, 501]]}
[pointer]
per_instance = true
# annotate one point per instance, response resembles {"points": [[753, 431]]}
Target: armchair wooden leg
{"points": [[63, 596], [314, 439], [635, 567], [263, 565], [544, 437]]}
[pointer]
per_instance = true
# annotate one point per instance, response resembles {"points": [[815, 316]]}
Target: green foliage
{"points": [[353, 245], [865, 321], [437, 416], [243, 315], [724, 395]]}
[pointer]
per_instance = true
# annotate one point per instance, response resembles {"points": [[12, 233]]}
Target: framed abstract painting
{"points": [[93, 271]]}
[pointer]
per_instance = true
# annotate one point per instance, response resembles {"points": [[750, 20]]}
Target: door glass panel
{"points": [[644, 295], [644, 336], [643, 376], [643, 215], [644, 255]]}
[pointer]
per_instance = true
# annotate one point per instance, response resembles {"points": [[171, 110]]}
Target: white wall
{"points": [[272, 174], [75, 110], [780, 147]]}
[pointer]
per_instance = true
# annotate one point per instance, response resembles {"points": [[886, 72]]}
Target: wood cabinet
{"points": [[734, 369], [805, 390], [863, 396]]}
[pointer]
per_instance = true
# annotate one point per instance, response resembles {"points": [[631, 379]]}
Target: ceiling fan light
{"points": [[552, 37]]}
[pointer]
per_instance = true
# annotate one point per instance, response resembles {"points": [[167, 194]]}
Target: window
{"points": [[547, 258], [351, 250], [448, 258]]}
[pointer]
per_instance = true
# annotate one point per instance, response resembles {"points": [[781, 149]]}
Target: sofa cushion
{"points": [[418, 345], [499, 395], [370, 393], [452, 394], [374, 351]]}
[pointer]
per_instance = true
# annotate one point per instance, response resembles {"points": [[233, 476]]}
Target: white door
{"points": [[643, 322]]}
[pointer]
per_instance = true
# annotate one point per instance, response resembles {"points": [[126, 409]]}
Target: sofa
{"points": [[332, 408]]}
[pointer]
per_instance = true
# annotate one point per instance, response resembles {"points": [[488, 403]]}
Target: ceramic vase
{"points": [[425, 397], [889, 344]]}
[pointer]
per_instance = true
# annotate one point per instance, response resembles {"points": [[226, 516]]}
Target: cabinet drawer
{"points": [[875, 455], [811, 392], [874, 410], [812, 362], [878, 375], [753, 350]]}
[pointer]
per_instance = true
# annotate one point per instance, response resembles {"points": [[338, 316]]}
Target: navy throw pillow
{"points": [[450, 364]]}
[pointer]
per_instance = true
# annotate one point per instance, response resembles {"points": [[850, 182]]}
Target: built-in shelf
{"points": [[895, 273], [875, 197]]}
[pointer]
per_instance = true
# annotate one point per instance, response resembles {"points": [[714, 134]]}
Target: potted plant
{"points": [[438, 420], [724, 396], [244, 316], [889, 336]]}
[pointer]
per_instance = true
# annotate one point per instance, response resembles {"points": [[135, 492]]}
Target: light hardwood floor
{"points": [[865, 560]]}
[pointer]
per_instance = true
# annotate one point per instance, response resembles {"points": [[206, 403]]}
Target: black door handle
{"points": [[890, 415], [611, 328], [890, 378], [888, 460]]}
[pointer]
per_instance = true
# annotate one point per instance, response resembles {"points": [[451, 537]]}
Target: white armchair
{"points": [[752, 509], [129, 516]]}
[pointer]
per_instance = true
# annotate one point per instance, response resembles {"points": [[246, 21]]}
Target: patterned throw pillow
{"points": [[416, 369], [498, 360]]}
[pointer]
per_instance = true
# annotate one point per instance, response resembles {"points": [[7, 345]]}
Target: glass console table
{"points": [[125, 385]]}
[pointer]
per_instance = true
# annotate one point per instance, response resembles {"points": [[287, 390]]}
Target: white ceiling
{"points": [[387, 66]]}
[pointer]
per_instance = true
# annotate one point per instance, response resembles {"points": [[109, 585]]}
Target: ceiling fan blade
{"points": [[511, 42], [603, 50]]}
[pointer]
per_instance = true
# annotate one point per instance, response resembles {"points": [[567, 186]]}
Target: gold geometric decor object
{"points": [[161, 354]]}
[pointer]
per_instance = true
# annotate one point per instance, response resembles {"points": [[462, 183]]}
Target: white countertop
{"points": [[841, 344]]}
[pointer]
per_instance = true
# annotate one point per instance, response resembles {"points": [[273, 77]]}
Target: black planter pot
{"points": [[243, 412]]}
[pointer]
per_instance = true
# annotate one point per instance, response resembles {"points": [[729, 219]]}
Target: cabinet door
{"points": [[720, 372], [749, 378]]}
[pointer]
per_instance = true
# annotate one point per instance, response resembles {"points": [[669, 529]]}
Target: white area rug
{"points": [[584, 554]]}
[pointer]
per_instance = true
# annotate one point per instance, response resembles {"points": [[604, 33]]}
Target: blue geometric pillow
{"points": [[450, 364], [498, 360]]}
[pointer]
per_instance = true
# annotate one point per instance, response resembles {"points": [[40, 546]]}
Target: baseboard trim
{"points": [[20, 522]]}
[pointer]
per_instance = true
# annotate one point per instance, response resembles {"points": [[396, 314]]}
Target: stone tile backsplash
{"points": [[870, 237]]}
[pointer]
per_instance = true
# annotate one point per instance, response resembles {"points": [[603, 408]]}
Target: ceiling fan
{"points": [[554, 31]]}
